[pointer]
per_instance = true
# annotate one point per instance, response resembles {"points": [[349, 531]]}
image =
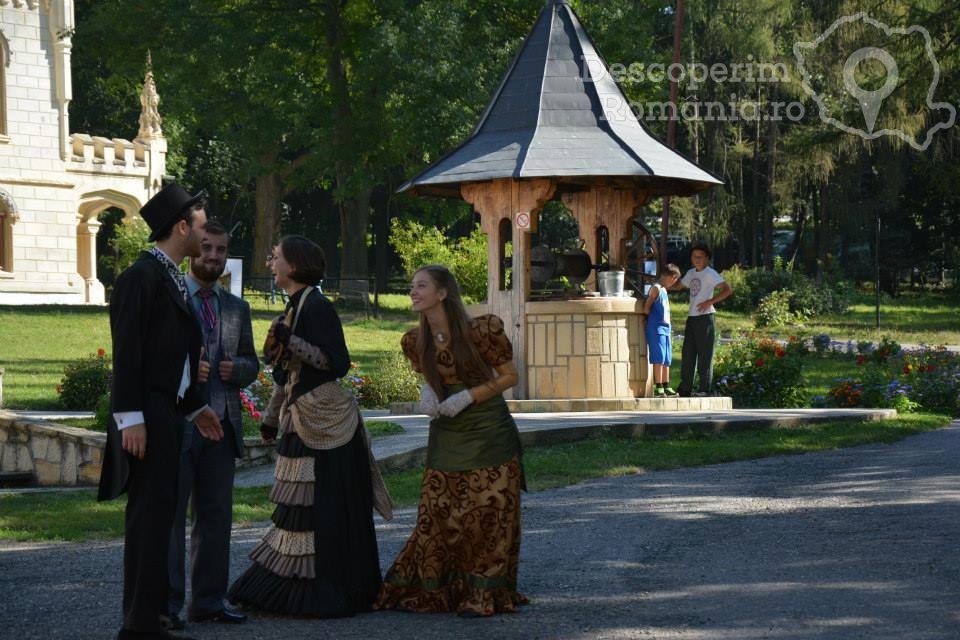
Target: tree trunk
{"points": [[354, 220], [381, 232], [755, 210], [265, 233], [821, 231], [355, 204], [768, 208]]}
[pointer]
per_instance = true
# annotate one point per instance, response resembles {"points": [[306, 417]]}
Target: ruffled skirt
{"points": [[465, 548], [320, 556]]}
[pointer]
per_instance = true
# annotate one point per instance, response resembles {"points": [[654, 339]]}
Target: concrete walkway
{"points": [[852, 544]]}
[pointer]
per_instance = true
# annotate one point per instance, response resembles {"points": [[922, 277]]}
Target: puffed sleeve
{"points": [[492, 341], [409, 345]]}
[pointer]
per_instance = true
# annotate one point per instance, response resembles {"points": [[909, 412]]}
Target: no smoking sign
{"points": [[523, 221]]}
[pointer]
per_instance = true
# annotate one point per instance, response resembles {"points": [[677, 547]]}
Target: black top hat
{"points": [[166, 207]]}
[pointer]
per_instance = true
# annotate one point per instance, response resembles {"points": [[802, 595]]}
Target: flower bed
{"points": [[760, 372], [926, 378]]}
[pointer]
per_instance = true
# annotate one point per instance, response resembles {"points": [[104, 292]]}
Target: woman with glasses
{"points": [[320, 556]]}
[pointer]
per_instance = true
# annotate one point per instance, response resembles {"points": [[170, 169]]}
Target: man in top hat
{"points": [[154, 395]]}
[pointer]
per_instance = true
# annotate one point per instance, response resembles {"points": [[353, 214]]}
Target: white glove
{"points": [[455, 403], [429, 402]]}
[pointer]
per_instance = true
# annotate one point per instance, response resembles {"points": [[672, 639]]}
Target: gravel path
{"points": [[857, 543]]}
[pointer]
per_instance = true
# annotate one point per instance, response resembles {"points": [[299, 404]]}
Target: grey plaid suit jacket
{"points": [[236, 339]]}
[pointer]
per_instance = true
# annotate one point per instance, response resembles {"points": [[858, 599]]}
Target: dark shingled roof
{"points": [[558, 113]]}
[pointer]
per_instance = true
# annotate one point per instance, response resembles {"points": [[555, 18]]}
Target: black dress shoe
{"points": [[126, 634], [224, 616], [172, 622]]}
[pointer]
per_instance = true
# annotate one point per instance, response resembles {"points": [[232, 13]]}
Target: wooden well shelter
{"points": [[560, 127]]}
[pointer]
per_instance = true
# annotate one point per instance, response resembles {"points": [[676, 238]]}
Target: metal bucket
{"points": [[610, 283]]}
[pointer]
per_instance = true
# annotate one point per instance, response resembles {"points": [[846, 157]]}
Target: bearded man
{"points": [[229, 363]]}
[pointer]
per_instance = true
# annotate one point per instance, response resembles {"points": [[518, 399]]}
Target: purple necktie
{"points": [[207, 312]]}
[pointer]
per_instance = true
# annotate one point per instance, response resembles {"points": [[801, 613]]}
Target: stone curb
{"points": [[560, 435]]}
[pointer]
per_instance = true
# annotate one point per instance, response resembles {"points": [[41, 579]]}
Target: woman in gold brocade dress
{"points": [[465, 547]]}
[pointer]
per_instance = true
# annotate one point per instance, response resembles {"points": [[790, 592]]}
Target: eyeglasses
{"points": [[270, 258]]}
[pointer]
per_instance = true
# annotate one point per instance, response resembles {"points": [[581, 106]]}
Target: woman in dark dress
{"points": [[464, 551], [320, 556]]}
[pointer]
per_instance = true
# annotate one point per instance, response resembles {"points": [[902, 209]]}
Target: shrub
{"points": [[806, 297], [393, 381], [762, 373], [356, 383], [466, 258], [821, 343], [102, 411], [774, 310], [935, 376], [84, 382], [130, 239], [885, 350], [254, 399]]}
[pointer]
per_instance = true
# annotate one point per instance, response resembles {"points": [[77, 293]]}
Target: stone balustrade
{"points": [[58, 455], [54, 454], [108, 155]]}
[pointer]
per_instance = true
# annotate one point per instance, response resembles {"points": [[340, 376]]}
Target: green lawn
{"points": [[36, 342], [910, 318], [75, 515]]}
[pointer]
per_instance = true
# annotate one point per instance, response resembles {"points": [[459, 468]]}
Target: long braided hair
{"points": [[471, 368]]}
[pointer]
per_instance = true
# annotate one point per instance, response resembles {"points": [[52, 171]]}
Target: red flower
{"points": [[101, 352], [931, 367], [907, 369], [759, 362], [861, 359], [779, 351]]}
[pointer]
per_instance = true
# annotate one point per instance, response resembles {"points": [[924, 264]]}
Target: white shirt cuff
{"points": [[126, 419], [184, 379], [193, 416]]}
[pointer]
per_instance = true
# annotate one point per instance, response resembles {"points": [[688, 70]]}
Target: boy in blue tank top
{"points": [[659, 346]]}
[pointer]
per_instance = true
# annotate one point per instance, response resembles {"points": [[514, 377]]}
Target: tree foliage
{"points": [[307, 116]]}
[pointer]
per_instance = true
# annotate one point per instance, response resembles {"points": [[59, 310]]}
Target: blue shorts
{"points": [[659, 349]]}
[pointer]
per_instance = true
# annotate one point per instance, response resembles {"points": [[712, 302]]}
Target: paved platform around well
{"points": [[408, 449]]}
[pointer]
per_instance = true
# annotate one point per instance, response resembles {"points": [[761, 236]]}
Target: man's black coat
{"points": [[153, 331]]}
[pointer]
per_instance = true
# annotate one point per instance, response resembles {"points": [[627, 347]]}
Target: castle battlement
{"points": [[113, 155]]}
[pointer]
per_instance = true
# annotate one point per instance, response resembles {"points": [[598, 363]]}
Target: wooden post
{"points": [[518, 201]]}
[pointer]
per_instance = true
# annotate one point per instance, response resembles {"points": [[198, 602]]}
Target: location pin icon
{"points": [[870, 101]]}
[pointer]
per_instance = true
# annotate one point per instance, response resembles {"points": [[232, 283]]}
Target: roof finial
{"points": [[149, 102]]}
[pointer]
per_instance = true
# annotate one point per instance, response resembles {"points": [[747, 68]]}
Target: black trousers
{"points": [[699, 336], [206, 482], [151, 506]]}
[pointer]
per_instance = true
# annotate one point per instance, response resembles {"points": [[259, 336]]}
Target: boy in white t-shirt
{"points": [[707, 287]]}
